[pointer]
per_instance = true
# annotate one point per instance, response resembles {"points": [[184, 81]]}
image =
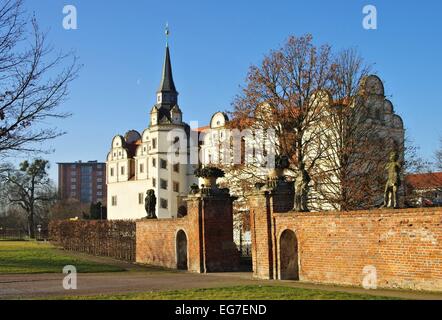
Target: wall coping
{"points": [[364, 213], [161, 220]]}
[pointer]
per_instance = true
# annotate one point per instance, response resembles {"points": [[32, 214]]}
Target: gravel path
{"points": [[144, 279]]}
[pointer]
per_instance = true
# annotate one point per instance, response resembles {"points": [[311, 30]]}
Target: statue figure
{"points": [[277, 175], [150, 203], [282, 162], [393, 169], [302, 189]]}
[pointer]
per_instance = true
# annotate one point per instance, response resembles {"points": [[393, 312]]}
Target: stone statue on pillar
{"points": [[150, 203], [302, 189], [276, 176], [393, 169]]}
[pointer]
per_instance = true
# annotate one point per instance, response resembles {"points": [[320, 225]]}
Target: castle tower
{"points": [[169, 170], [156, 159], [166, 109]]}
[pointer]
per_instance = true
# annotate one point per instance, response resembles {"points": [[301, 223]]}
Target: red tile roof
{"points": [[202, 129], [423, 181]]}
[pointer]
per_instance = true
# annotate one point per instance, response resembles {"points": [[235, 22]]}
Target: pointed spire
{"points": [[167, 84]]}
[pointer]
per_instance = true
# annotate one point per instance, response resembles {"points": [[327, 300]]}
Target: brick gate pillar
{"points": [[214, 208], [263, 202]]}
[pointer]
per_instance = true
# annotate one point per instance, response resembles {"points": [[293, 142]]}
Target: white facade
{"points": [[140, 162], [381, 117]]}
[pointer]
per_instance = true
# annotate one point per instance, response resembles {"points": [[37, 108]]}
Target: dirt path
{"points": [[47, 285], [144, 279]]}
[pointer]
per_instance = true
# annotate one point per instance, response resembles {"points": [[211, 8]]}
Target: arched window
{"points": [[243, 150]]}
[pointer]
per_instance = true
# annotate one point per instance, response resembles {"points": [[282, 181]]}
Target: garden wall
{"points": [[102, 238], [386, 248], [200, 242]]}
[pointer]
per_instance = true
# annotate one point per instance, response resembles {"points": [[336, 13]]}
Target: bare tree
{"points": [[350, 174], [30, 189], [33, 81], [286, 87], [331, 119], [414, 162], [438, 157], [66, 209]]}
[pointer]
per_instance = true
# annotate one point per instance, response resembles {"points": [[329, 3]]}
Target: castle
{"points": [[162, 157], [139, 162]]}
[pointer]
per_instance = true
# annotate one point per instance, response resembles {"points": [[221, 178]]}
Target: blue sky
{"points": [[213, 43]]}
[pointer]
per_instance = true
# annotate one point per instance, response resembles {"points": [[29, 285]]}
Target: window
{"points": [[73, 187], [99, 193], [99, 180], [154, 143], [176, 187], [154, 182], [112, 172], [141, 168], [176, 167], [140, 198], [99, 187], [73, 194], [163, 184], [73, 180], [163, 164], [114, 201], [154, 162], [122, 171], [99, 173], [163, 203]]}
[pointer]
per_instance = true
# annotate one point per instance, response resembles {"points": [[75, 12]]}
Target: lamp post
{"points": [[39, 231]]}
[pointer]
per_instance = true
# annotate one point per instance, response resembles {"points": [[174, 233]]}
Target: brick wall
{"points": [[404, 247], [209, 231], [156, 241]]}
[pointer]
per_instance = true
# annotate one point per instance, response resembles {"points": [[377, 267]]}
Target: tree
{"points": [[358, 133], [285, 87], [97, 211], [67, 209], [329, 116], [414, 162], [30, 189], [33, 82], [438, 157]]}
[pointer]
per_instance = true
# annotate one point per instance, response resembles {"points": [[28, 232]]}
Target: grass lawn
{"points": [[236, 293], [34, 257]]}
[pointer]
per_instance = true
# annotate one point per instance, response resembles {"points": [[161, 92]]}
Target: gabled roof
{"points": [[424, 181]]}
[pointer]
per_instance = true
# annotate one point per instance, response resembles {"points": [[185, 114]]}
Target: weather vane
{"points": [[167, 32]]}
